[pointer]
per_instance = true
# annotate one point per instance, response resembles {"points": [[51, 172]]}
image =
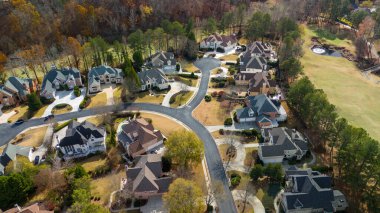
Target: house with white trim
{"points": [[153, 79], [164, 61], [103, 74], [282, 143], [219, 42]]}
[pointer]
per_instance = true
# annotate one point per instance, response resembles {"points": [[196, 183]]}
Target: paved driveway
{"points": [[214, 162], [66, 97]]}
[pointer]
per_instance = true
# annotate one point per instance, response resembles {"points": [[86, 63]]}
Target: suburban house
{"points": [[10, 154], [220, 43], [146, 178], [280, 143], [34, 208], [15, 90], [262, 49], [310, 191], [260, 109], [138, 136], [258, 83], [153, 78], [164, 61], [81, 139], [103, 75], [57, 79], [250, 63]]}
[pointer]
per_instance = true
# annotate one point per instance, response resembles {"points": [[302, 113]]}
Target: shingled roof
{"points": [[258, 81], [163, 58], [146, 176], [61, 74], [139, 134], [104, 69], [308, 190], [80, 133], [151, 74]]}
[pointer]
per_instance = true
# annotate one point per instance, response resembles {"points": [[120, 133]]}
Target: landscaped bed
{"points": [[180, 98], [61, 109]]}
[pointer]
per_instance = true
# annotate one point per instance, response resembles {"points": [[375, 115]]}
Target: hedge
{"points": [[63, 125], [193, 76], [228, 122]]}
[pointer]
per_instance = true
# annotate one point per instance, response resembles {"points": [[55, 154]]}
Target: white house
{"points": [[103, 75], [164, 61], [219, 42], [280, 143], [153, 78], [81, 139], [56, 79]]}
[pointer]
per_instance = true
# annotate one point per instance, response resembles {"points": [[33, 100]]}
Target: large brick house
{"points": [[15, 90], [146, 178], [138, 136]]}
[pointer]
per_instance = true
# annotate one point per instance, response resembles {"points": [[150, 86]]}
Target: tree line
{"points": [[354, 155]]}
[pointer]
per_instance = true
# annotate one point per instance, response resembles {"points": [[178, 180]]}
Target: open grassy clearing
{"points": [[104, 186], [31, 138], [100, 99], [356, 98], [145, 97], [164, 124], [181, 98]]}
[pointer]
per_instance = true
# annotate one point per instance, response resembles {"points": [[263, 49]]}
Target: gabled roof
{"points": [[221, 38], [162, 57], [104, 69], [9, 154], [34, 208], [261, 104], [146, 175], [80, 133], [282, 141], [309, 191], [151, 74], [61, 74], [16, 85], [249, 61], [138, 134], [258, 81]]}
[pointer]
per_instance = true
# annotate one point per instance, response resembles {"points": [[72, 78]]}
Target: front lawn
{"points": [[100, 99], [164, 124], [181, 98], [22, 113], [188, 66], [31, 138], [91, 163], [146, 97], [211, 113]]}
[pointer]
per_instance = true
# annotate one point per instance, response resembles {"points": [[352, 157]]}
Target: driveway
{"points": [[5, 116], [66, 97], [41, 150], [213, 160], [256, 204], [109, 89], [176, 87]]}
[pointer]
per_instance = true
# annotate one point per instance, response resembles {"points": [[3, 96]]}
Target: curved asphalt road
{"points": [[214, 162]]}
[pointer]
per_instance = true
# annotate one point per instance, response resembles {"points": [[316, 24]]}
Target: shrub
{"points": [[192, 76], [228, 122], [235, 179], [177, 67], [86, 101], [207, 98], [221, 131], [257, 172], [322, 169], [65, 87], [220, 93], [62, 125], [77, 91]]}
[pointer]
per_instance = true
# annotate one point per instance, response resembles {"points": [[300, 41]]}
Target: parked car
{"points": [[49, 117], [19, 121], [37, 160]]}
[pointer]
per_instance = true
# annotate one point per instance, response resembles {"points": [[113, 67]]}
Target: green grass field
{"points": [[356, 98]]}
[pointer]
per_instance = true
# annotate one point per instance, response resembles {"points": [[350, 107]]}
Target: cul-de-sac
{"points": [[174, 106]]}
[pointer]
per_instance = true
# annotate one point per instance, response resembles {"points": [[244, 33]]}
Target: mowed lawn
{"points": [[162, 123], [356, 98]]}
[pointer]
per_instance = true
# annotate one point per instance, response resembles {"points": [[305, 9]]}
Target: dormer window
{"points": [[251, 113]]}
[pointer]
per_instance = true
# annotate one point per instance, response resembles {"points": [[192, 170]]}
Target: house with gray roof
{"points": [[10, 154], [257, 83], [252, 63], [262, 110], [164, 61], [310, 191], [15, 90], [81, 139], [219, 42], [57, 79], [146, 178], [153, 79], [262, 49], [103, 75], [282, 143]]}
